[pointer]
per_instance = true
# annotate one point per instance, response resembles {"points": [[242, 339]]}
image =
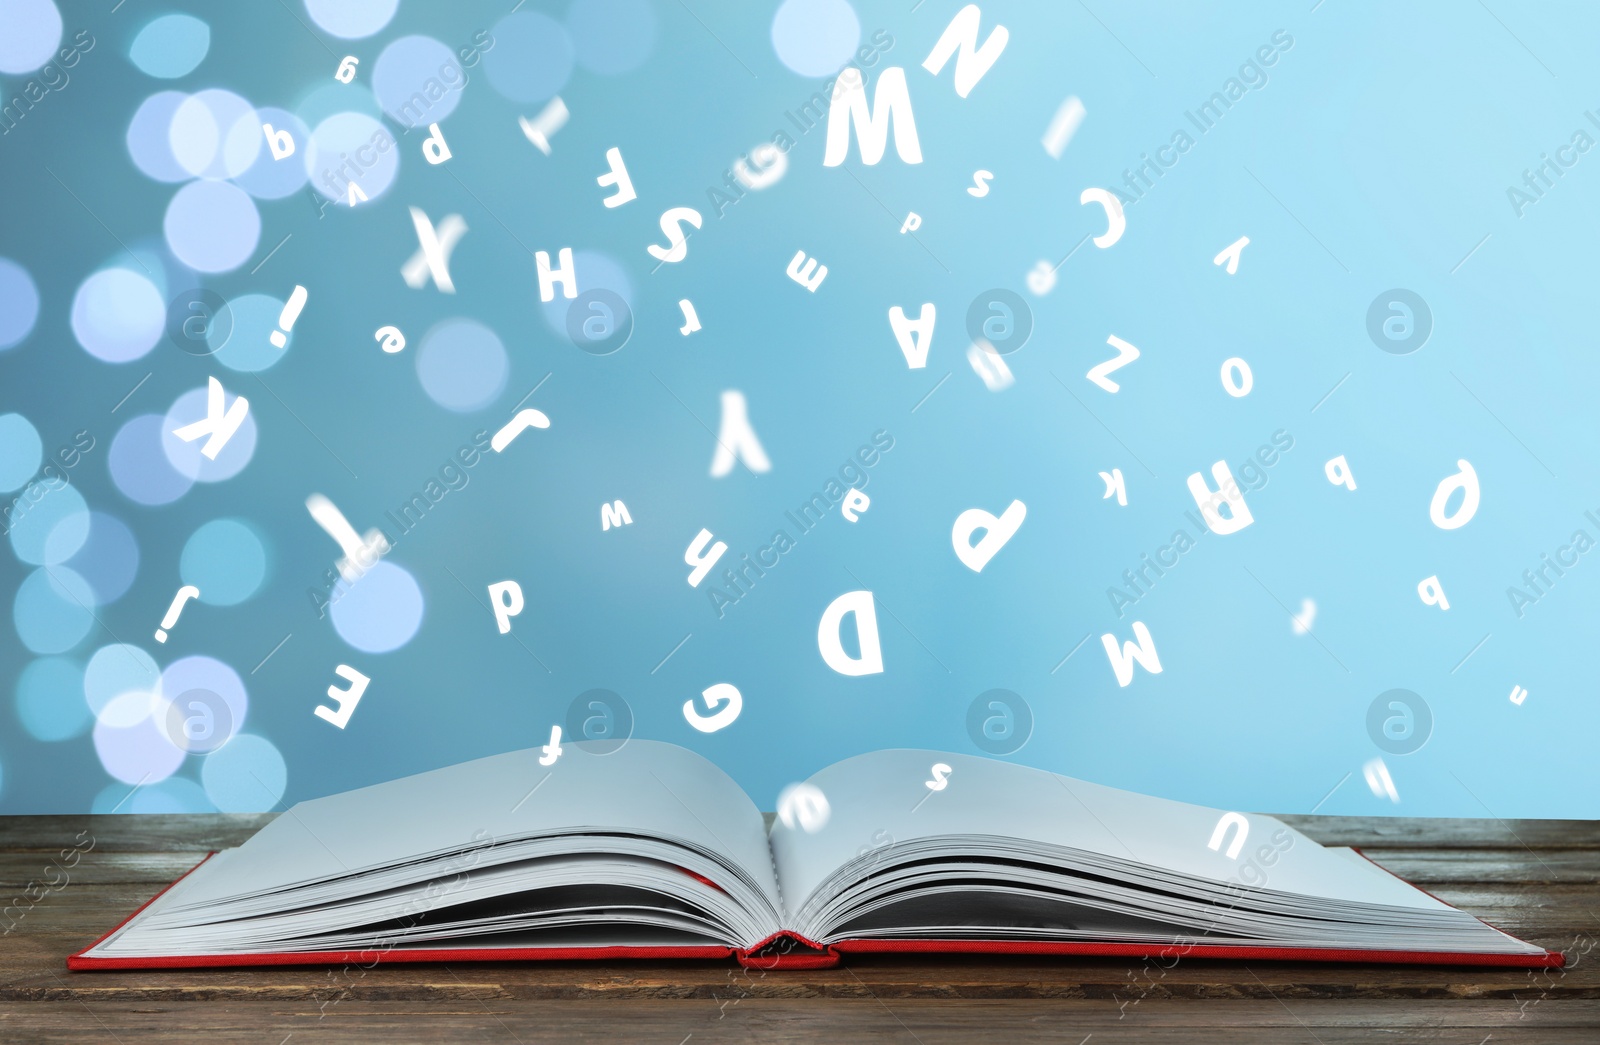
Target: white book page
{"points": [[883, 795], [645, 787]]}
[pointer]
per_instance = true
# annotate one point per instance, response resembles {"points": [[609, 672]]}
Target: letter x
{"points": [[433, 256]]}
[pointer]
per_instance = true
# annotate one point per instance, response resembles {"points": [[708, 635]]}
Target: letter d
{"points": [[280, 142], [433, 146], [871, 660]]}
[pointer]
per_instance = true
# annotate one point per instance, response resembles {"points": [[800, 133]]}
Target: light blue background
{"points": [[1389, 133]]}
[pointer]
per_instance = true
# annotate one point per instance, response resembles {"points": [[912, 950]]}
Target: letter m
{"points": [[960, 38], [1142, 649], [891, 106], [614, 514]]}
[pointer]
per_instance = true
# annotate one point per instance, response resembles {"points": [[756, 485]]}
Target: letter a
{"points": [[1142, 649], [972, 61], [860, 604], [737, 439], [996, 533], [892, 105], [914, 335], [1465, 480]]}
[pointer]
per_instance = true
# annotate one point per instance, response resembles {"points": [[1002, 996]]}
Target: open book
{"points": [[651, 851]]}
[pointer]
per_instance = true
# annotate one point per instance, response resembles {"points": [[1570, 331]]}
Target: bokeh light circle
{"points": [[21, 451], [418, 81], [815, 37], [175, 794], [32, 33], [351, 19], [52, 528], [215, 134], [225, 560], [188, 458], [269, 178], [115, 670], [247, 346], [134, 749], [381, 611], [213, 685], [333, 98], [109, 559], [19, 303], [53, 610], [247, 775], [49, 701], [171, 46], [139, 466], [462, 365], [196, 720], [118, 315], [212, 226], [612, 36], [532, 57], [199, 321], [67, 537], [149, 141], [351, 146]]}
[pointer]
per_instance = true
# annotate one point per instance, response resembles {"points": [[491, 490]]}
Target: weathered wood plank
{"points": [[200, 832], [153, 833], [31, 968], [872, 1021], [1541, 866], [48, 868], [1379, 832]]}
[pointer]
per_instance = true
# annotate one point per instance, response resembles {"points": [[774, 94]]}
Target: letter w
{"points": [[891, 107], [1142, 649], [972, 61], [614, 514]]}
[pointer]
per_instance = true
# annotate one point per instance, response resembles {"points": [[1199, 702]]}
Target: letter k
{"points": [[433, 256], [218, 423]]}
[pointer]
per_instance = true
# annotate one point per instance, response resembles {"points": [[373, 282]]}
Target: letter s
{"points": [[671, 227]]}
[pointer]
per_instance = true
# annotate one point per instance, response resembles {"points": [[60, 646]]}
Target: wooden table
{"points": [[1537, 879]]}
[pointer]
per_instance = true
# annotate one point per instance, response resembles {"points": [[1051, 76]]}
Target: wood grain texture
{"points": [[1536, 879]]}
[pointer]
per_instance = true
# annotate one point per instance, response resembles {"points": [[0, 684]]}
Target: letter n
{"points": [[960, 38]]}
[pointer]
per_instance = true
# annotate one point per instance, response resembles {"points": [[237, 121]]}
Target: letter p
{"points": [[506, 597]]}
